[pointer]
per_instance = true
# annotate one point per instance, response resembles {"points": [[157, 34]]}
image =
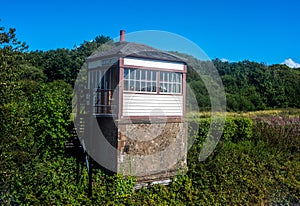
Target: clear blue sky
{"points": [[257, 30]]}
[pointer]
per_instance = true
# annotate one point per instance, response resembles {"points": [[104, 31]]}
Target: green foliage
{"points": [[115, 189], [252, 86], [245, 168], [244, 173], [248, 85], [64, 64], [15, 130], [34, 129], [51, 181], [201, 94], [235, 128], [50, 117], [244, 129]]}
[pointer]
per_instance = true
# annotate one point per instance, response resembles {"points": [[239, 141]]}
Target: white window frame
{"points": [[140, 80], [170, 82]]}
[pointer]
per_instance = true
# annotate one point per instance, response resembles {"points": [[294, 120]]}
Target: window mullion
{"points": [[134, 80]]}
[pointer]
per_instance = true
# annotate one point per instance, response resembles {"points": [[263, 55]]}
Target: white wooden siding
{"points": [[129, 61], [94, 64], [152, 105], [102, 62]]}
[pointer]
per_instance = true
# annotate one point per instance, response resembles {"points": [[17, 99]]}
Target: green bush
{"points": [[235, 128], [244, 169], [245, 173], [50, 117], [244, 129]]}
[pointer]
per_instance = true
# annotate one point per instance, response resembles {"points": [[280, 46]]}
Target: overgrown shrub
{"points": [[279, 131], [245, 173], [245, 168], [234, 129]]}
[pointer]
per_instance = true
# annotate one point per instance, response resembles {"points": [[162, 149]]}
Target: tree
{"points": [[64, 64], [14, 108]]}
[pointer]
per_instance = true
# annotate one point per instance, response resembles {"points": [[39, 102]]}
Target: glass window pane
{"points": [[172, 77], [153, 75], [143, 86], [138, 74], [143, 74], [125, 85], [126, 72], [153, 88], [137, 86], [131, 86], [177, 77], [178, 88], [170, 82], [172, 88], [148, 75], [166, 76], [132, 73], [149, 87], [162, 88]]}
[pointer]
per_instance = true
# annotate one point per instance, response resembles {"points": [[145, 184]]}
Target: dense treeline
{"points": [[252, 163], [64, 64], [254, 86], [249, 85]]}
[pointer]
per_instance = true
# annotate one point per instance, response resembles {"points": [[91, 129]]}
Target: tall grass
{"points": [[279, 131]]}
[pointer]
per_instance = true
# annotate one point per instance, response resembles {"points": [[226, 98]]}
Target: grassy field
{"points": [[290, 112]]}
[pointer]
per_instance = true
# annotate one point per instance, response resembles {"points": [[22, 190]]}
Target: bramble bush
{"points": [[50, 117], [279, 131]]}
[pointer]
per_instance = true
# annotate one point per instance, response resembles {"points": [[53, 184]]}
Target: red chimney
{"points": [[122, 35]]}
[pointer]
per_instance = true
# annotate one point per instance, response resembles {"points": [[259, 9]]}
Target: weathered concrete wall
{"points": [[152, 151], [101, 142], [109, 130]]}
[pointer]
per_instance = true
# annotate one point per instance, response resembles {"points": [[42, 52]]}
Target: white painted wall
{"points": [[130, 61], [103, 62], [152, 105]]}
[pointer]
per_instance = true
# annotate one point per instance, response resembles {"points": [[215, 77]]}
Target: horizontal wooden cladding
{"points": [[108, 62], [152, 105], [147, 63]]}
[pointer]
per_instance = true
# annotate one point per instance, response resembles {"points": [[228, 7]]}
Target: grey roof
{"points": [[122, 49]]}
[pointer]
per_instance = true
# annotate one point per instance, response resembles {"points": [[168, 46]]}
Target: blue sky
{"points": [[256, 30]]}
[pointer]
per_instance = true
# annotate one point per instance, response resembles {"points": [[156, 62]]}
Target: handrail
{"points": [[103, 101]]}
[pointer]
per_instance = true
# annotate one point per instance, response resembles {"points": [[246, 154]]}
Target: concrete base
{"points": [[152, 151]]}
